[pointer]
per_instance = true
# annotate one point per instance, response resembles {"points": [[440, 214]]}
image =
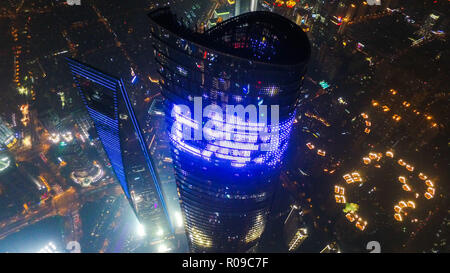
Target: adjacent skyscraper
{"points": [[226, 186], [109, 107]]}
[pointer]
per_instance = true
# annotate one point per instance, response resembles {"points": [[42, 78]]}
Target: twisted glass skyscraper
{"points": [[226, 187]]}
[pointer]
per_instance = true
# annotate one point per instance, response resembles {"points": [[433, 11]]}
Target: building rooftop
{"points": [[241, 36]]}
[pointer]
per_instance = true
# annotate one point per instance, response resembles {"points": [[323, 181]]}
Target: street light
{"points": [[141, 230]]}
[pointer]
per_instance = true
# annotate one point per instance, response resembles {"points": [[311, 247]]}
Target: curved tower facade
{"points": [[227, 166]]}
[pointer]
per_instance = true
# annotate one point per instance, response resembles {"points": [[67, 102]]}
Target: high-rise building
{"points": [[297, 239], [295, 231], [7, 137], [258, 59], [118, 129]]}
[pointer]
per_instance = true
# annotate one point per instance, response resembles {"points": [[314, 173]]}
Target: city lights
{"points": [[67, 136], [49, 248], [231, 126], [163, 248], [178, 219], [86, 177], [25, 114], [399, 208], [160, 232], [55, 138]]}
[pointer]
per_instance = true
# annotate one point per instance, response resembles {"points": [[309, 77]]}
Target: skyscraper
{"points": [[109, 107], [226, 187], [7, 137], [244, 6]]}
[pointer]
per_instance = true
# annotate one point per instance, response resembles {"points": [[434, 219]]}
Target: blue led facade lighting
{"points": [[102, 106], [109, 107], [226, 186]]}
